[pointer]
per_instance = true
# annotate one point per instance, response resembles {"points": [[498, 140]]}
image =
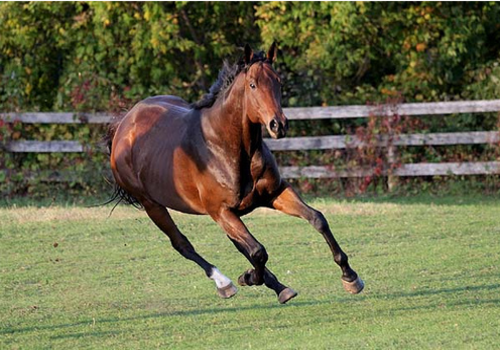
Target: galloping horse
{"points": [[209, 158]]}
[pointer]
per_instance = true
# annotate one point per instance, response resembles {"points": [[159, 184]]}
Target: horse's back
{"points": [[167, 101], [149, 115]]}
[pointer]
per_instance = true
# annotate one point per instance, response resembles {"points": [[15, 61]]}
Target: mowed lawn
{"points": [[74, 278]]}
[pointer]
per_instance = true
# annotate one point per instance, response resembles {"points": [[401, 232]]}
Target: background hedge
{"points": [[105, 56], [89, 55]]}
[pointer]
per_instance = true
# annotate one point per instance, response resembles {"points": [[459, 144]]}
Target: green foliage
{"points": [[105, 56], [86, 55], [365, 51]]}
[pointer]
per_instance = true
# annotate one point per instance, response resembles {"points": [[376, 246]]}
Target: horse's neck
{"points": [[227, 126]]}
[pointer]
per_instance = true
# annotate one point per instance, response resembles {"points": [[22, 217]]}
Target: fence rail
{"points": [[417, 169], [294, 113], [297, 143], [318, 142]]}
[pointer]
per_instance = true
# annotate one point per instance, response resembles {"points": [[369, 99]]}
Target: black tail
{"points": [[110, 133], [119, 194]]}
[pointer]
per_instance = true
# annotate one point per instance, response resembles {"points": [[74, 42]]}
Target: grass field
{"points": [[74, 278]]}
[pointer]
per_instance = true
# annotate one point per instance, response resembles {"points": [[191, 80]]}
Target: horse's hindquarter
{"points": [[147, 153]]}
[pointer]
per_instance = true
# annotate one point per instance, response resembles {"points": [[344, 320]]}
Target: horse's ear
{"points": [[248, 54], [272, 53]]}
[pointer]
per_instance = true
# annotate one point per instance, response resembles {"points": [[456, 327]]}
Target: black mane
{"points": [[225, 79]]}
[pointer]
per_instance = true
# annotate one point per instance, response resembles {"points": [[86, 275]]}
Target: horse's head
{"points": [[263, 92]]}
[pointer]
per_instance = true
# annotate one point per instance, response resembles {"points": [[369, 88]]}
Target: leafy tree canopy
{"points": [[105, 55]]}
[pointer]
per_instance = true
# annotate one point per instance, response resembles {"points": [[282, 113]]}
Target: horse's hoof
{"points": [[286, 294], [355, 286], [242, 281], [227, 291]]}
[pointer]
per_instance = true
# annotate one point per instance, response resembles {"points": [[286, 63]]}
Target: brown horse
{"points": [[209, 158]]}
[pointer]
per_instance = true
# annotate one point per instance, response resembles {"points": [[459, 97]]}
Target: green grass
{"points": [[74, 278]]}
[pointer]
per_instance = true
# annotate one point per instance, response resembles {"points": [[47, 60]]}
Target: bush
{"points": [[105, 56]]}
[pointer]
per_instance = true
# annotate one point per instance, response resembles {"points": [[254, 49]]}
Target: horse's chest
{"points": [[240, 181], [251, 186], [248, 202]]}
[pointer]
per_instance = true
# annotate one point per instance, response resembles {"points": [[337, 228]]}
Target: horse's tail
{"points": [[110, 132], [119, 193]]}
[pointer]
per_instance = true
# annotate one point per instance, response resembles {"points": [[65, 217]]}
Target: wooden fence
{"points": [[321, 142]]}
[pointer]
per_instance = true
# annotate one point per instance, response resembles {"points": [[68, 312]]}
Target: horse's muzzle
{"points": [[278, 128]]}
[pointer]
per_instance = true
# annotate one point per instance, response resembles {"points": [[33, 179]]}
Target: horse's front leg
{"points": [[289, 202], [255, 253]]}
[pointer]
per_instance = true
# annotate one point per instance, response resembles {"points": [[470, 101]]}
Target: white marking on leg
{"points": [[221, 281]]}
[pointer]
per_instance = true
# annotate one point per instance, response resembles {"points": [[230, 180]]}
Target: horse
{"points": [[209, 158]]}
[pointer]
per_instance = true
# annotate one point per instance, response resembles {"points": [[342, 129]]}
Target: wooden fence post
{"points": [[392, 181]]}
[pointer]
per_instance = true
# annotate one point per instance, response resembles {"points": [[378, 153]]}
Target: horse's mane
{"points": [[226, 77]]}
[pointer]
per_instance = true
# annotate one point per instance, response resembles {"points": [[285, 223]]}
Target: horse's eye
{"points": [[252, 85]]}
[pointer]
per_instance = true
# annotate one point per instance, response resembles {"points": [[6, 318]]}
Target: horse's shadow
{"points": [[360, 299]]}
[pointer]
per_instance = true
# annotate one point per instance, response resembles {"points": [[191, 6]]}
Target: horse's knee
{"points": [[319, 222], [259, 255]]}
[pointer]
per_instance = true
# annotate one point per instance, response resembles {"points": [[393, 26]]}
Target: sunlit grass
{"points": [[74, 278]]}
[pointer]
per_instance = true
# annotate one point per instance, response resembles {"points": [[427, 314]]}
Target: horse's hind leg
{"points": [[162, 219], [290, 203], [255, 253]]}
